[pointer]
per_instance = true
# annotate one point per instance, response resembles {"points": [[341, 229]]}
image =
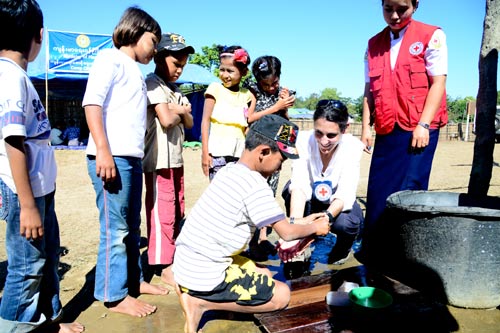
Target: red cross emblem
{"points": [[416, 48], [323, 192]]}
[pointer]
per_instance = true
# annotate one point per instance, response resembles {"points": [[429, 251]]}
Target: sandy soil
{"points": [[77, 214]]}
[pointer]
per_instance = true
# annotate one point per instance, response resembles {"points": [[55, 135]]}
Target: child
{"points": [[169, 112], [405, 99], [115, 104], [27, 181], [72, 134], [224, 113], [207, 267], [271, 98]]}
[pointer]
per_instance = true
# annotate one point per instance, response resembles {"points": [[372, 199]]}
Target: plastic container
{"points": [[370, 298]]}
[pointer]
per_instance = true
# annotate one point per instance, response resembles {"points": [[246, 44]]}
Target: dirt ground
{"points": [[78, 220]]}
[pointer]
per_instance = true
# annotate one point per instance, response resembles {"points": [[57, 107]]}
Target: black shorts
{"points": [[242, 285]]}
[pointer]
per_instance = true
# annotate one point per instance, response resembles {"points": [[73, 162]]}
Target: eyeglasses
{"points": [[320, 134], [333, 103]]}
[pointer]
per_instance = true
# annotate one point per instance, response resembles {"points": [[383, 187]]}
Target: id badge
{"points": [[322, 190]]}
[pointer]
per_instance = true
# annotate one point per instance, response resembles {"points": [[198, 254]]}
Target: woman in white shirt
{"points": [[325, 178]]}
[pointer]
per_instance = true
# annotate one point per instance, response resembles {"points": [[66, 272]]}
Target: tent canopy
{"points": [[68, 56]]}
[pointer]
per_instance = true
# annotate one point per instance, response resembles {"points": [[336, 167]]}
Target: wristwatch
{"points": [[331, 218], [424, 125]]}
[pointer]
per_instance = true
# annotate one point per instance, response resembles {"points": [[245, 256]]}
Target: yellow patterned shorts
{"points": [[242, 285]]}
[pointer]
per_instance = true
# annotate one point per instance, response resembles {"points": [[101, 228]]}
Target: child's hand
{"points": [[285, 103], [105, 165], [322, 223], [284, 93], [313, 217], [206, 163], [31, 225]]}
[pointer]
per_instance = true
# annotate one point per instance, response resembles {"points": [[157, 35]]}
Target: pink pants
{"points": [[164, 211]]}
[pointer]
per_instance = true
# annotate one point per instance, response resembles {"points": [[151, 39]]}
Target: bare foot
{"points": [[152, 289], [193, 311], [131, 306], [74, 327], [167, 276]]}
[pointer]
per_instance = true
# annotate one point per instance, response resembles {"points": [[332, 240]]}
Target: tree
{"points": [[482, 164], [209, 59]]}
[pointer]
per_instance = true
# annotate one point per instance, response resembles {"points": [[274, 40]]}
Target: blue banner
{"points": [[74, 53]]}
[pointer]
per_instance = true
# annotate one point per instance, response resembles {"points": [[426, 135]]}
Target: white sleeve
{"points": [[100, 79], [349, 177], [301, 179], [436, 55]]}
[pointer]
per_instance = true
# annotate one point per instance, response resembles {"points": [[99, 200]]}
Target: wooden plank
{"points": [[314, 280], [309, 295], [296, 319]]}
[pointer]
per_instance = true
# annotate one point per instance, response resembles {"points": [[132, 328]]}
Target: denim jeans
{"points": [[31, 292], [118, 269]]}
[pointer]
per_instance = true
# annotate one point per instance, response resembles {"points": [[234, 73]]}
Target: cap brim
{"points": [[176, 48], [188, 49], [288, 151]]}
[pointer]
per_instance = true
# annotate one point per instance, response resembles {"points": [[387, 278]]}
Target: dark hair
{"points": [[254, 139], [332, 110], [266, 66], [242, 66], [133, 24], [20, 22], [413, 2]]}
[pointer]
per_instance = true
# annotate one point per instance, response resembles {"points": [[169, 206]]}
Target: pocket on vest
{"points": [[418, 76], [375, 76], [415, 108]]}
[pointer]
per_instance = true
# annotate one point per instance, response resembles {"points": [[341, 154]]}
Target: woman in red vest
{"points": [[405, 100]]}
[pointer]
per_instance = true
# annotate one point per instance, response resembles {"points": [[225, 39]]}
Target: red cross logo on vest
{"points": [[416, 48]]}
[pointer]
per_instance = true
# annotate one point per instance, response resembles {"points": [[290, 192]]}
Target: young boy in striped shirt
{"points": [[209, 272]]}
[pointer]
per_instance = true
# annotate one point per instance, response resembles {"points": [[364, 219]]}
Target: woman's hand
{"points": [[366, 138]]}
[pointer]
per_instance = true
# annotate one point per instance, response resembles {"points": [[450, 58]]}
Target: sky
{"points": [[321, 43]]}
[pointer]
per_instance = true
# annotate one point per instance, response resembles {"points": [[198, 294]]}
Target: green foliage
{"points": [[209, 59], [457, 108]]}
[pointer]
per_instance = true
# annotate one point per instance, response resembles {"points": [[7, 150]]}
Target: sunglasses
{"points": [[333, 103], [320, 134]]}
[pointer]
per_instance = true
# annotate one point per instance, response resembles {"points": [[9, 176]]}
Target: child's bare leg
{"points": [[152, 289], [167, 276], [193, 307], [73, 327], [131, 306]]}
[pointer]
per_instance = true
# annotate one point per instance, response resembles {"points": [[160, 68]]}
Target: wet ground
{"points": [[169, 316]]}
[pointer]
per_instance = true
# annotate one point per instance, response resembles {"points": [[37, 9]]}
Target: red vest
{"points": [[399, 95]]}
